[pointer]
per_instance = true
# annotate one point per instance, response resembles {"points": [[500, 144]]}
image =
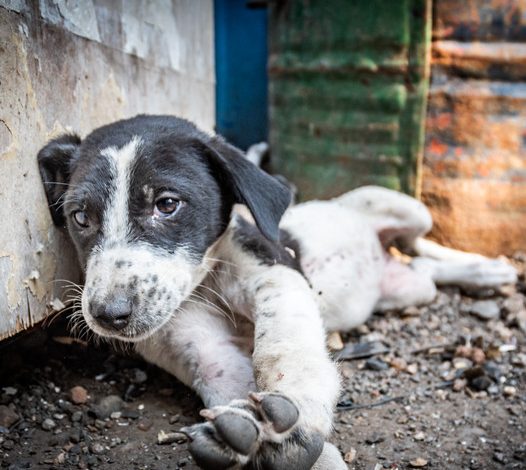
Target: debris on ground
{"points": [[439, 386]]}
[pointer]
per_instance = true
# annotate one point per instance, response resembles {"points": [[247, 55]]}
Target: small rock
{"points": [[418, 462], [76, 416], [7, 416], [131, 414], [78, 395], [411, 311], [48, 424], [376, 364], [145, 424], [459, 385], [462, 363], [499, 457], [398, 363], [116, 415], [485, 309], [350, 456], [174, 418], [171, 437], [419, 436], [478, 356], [412, 369], [509, 391], [139, 376], [375, 438], [96, 448], [10, 391], [107, 406], [334, 341], [480, 383]]}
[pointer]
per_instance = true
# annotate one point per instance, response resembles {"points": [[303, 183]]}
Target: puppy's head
{"points": [[143, 200]]}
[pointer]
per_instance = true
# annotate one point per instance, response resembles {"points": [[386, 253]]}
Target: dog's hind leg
{"points": [[396, 217], [284, 424]]}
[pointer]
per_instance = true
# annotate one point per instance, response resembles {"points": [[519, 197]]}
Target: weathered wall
{"points": [[76, 65], [474, 173]]}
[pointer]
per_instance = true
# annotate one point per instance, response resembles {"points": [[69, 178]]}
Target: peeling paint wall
{"points": [[474, 171], [75, 65]]}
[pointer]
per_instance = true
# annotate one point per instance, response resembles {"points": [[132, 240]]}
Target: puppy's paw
{"points": [[261, 432]]}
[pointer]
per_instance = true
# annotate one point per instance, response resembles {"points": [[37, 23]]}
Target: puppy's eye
{"points": [[81, 218], [166, 206]]}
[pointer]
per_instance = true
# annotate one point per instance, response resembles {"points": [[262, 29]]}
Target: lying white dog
{"points": [[232, 305]]}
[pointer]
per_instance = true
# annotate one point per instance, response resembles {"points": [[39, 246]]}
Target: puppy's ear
{"points": [[55, 162], [266, 198]]}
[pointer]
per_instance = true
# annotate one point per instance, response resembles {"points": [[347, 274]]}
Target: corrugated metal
{"points": [[474, 173], [348, 82]]}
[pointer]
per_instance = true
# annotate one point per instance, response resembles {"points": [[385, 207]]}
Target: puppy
{"points": [[193, 254]]}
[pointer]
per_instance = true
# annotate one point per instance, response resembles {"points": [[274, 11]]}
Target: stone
{"points": [[8, 417], [418, 462], [485, 309], [350, 456], [107, 406], [48, 424], [78, 395]]}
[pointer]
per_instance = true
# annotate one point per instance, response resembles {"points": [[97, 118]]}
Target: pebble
{"points": [[509, 391], [107, 406], [8, 417], [419, 436], [350, 456], [97, 448], [145, 424], [459, 385], [376, 364], [375, 438], [139, 376], [78, 395], [485, 309], [480, 383], [334, 341], [76, 416], [418, 462], [10, 391], [48, 424]]}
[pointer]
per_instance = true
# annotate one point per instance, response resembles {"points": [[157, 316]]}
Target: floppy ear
{"points": [[55, 162], [266, 198]]}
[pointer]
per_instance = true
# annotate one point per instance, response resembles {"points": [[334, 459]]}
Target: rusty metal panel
{"points": [[474, 172], [348, 82], [75, 65]]}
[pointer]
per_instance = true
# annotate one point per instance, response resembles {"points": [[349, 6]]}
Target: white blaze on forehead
{"points": [[115, 220]]}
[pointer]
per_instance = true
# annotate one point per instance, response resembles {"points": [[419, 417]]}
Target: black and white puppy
{"points": [[232, 301]]}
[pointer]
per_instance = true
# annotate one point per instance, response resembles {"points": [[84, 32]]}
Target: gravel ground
{"points": [[441, 386]]}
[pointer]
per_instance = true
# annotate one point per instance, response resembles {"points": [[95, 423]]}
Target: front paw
{"points": [[258, 433]]}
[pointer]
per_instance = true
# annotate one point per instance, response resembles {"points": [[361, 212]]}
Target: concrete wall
{"points": [[75, 65]]}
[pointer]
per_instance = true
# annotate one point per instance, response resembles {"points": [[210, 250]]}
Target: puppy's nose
{"points": [[114, 314]]}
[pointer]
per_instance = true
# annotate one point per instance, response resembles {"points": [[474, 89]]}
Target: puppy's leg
{"points": [[394, 215], [202, 350], [284, 424], [403, 286]]}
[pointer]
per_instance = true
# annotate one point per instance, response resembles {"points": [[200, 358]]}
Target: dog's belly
{"points": [[342, 258]]}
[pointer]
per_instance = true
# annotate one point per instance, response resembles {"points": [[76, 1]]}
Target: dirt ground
{"points": [[443, 386]]}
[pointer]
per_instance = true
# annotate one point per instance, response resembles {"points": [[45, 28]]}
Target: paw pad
{"points": [[280, 411], [236, 431]]}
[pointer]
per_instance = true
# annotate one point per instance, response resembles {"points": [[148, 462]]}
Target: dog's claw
{"points": [[237, 431]]}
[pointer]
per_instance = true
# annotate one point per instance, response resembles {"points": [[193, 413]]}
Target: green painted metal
{"points": [[348, 85]]}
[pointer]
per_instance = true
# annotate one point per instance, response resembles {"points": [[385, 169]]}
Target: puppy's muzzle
{"points": [[114, 314]]}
